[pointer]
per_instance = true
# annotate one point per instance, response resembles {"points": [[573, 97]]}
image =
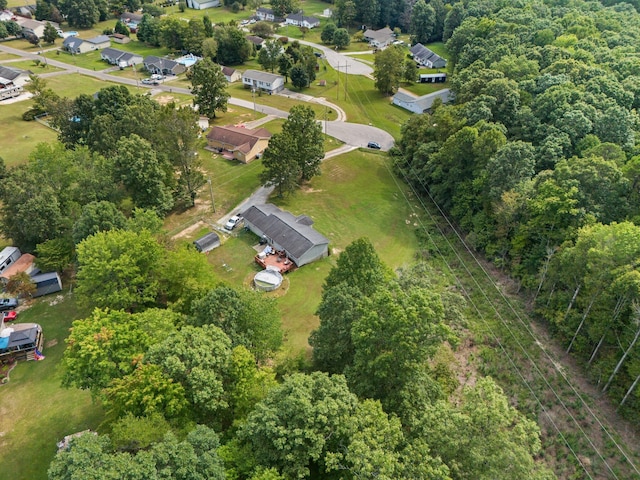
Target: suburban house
{"points": [[379, 38], [120, 58], [207, 242], [265, 14], [267, 82], [46, 283], [202, 5], [295, 236], [24, 264], [20, 341], [238, 143], [433, 77], [425, 57], [421, 104], [299, 20], [11, 81], [120, 38], [77, 45], [35, 27], [163, 66], [257, 41], [8, 256], [231, 74]]}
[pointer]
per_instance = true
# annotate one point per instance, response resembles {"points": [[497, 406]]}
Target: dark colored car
{"points": [[8, 304], [374, 145]]}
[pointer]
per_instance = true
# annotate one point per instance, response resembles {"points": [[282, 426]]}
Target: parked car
{"points": [[147, 81], [156, 76], [9, 316], [8, 304], [233, 222], [374, 145]]}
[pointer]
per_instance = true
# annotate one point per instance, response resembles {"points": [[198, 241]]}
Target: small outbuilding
{"points": [[46, 283], [207, 243]]}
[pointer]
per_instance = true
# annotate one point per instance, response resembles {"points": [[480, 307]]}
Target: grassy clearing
{"points": [[20, 137], [75, 84], [7, 56], [36, 411], [424, 88], [89, 60], [36, 68]]}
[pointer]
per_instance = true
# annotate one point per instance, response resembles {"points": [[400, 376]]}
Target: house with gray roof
{"points": [[425, 57], [299, 20], [379, 38], [120, 58], [286, 232], [267, 82], [421, 104], [20, 341], [163, 66], [77, 45], [13, 76]]}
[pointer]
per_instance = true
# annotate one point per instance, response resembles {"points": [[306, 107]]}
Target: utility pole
{"points": [[346, 75], [338, 83], [213, 203]]}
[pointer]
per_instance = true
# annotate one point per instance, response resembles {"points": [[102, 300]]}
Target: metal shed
{"points": [[207, 243]]}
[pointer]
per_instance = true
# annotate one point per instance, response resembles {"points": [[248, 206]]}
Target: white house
{"points": [[267, 82], [35, 27], [299, 20], [265, 14], [421, 104], [120, 58], [202, 5], [77, 45], [379, 38]]}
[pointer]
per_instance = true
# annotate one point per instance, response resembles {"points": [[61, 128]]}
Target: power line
{"points": [[481, 316]]}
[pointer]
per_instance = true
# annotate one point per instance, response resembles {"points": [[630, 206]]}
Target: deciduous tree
{"points": [[387, 69], [209, 87]]}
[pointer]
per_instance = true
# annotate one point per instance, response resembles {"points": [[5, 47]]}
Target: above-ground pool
{"points": [[267, 280], [69, 34], [188, 60]]}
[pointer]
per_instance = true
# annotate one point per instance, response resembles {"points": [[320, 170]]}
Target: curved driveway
{"points": [[338, 61]]}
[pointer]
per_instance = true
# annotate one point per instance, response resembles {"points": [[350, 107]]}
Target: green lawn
{"points": [[7, 56], [31, 65], [424, 88], [20, 137], [355, 196], [36, 411], [89, 60]]}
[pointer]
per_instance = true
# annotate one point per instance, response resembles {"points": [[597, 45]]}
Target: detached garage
{"points": [[283, 231]]}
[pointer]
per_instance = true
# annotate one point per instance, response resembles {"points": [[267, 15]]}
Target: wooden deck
{"points": [[280, 262]]}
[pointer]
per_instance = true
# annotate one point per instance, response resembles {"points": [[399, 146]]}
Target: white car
{"points": [[233, 222]]}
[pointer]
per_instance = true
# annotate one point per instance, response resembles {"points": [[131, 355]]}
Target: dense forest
{"points": [[537, 161]]}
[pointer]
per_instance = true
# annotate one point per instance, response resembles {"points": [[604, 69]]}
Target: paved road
{"points": [[343, 63]]}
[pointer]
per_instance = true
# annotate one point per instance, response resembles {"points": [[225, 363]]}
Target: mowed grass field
{"points": [[35, 410]]}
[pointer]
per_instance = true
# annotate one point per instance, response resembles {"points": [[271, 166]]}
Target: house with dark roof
{"points": [[379, 38], [77, 45], [12, 78], [425, 57], [286, 232], [120, 58], [299, 20], [421, 104], [231, 74], [163, 66], [265, 14], [20, 341], [35, 27], [267, 82], [120, 38], [238, 143]]}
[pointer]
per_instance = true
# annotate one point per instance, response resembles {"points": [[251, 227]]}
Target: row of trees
{"points": [[188, 395], [539, 148], [297, 62]]}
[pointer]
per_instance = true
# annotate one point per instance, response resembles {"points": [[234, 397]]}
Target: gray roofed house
{"points": [[257, 41], [23, 338], [72, 44], [421, 104], [423, 56], [120, 58], [379, 38], [299, 20], [283, 231], [231, 74], [267, 82], [163, 66], [267, 14], [17, 76], [77, 45]]}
